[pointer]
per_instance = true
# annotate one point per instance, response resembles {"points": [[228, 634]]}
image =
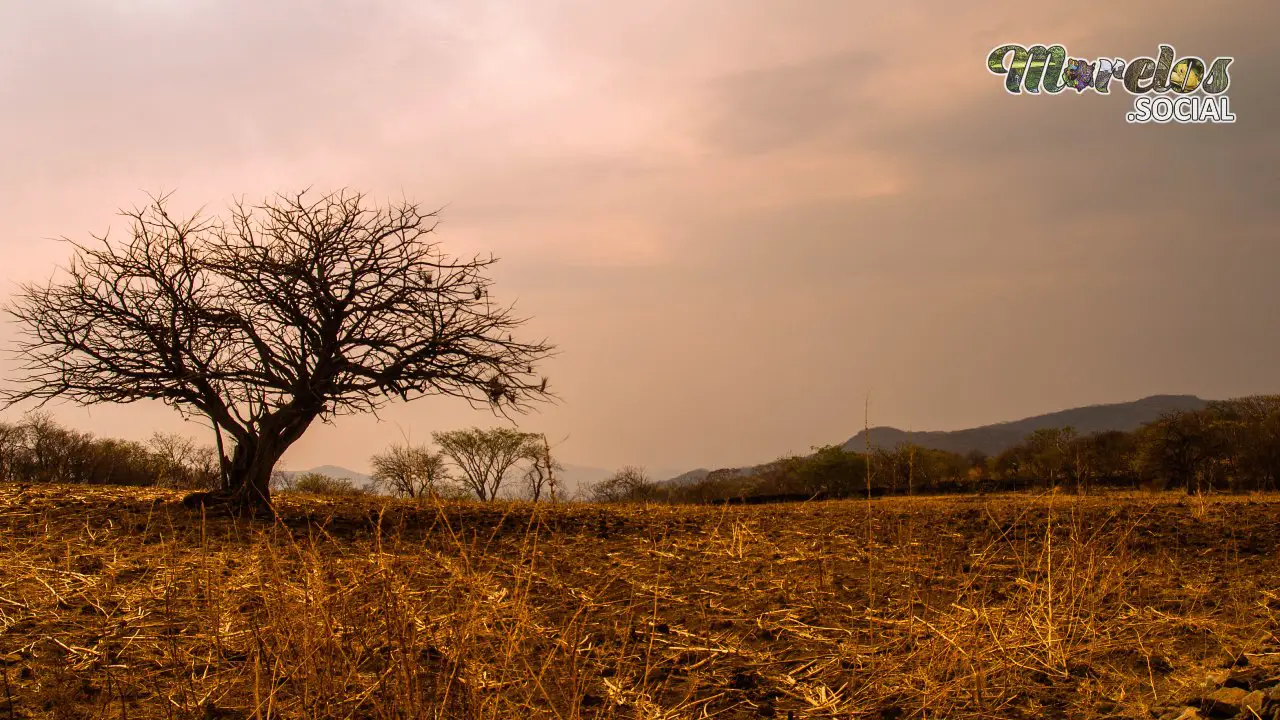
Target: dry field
{"points": [[120, 603]]}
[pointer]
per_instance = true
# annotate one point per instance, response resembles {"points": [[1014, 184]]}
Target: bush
{"points": [[321, 484], [630, 484]]}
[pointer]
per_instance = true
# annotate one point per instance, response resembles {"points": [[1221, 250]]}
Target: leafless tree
{"points": [[181, 462], [541, 475], [630, 484], [410, 471], [282, 481], [294, 310], [484, 457], [13, 440]]}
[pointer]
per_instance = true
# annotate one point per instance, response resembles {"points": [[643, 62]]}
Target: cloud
{"points": [[735, 218]]}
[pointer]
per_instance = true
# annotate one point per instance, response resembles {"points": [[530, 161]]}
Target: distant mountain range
{"points": [[995, 439]]}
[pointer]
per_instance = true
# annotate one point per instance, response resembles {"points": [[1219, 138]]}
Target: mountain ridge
{"points": [[995, 438]]}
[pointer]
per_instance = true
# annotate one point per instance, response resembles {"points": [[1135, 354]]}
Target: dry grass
{"points": [[120, 603]]}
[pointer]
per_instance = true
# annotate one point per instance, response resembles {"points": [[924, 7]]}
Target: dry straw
{"points": [[119, 603]]}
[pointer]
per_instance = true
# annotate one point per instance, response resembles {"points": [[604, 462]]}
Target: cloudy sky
{"points": [[735, 218]]}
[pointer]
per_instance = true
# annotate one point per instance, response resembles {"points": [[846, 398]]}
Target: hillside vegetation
{"points": [[1224, 445]]}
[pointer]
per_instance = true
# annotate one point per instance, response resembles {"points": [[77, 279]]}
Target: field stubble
{"points": [[120, 603]]}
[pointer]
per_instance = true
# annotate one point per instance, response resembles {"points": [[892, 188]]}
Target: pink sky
{"points": [[734, 218]]}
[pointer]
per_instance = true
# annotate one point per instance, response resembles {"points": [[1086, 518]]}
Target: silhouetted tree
{"points": [[1250, 429], [1184, 449], [12, 445], [541, 475], [287, 312], [1103, 457]]}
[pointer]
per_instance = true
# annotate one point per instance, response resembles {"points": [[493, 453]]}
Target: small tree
{"points": [[183, 463], [1047, 456], [282, 481], [630, 484], [541, 475], [410, 471], [295, 310], [832, 471], [1184, 449], [484, 457], [54, 454], [13, 446]]}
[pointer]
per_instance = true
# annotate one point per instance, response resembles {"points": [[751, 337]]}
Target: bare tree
{"points": [[282, 481], [13, 443], [290, 311], [630, 484], [484, 457], [181, 462], [410, 471], [541, 475]]}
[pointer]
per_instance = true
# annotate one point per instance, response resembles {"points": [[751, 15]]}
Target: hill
{"points": [[994, 439], [686, 478]]}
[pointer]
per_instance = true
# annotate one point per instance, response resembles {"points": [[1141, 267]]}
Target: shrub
{"points": [[321, 484]]}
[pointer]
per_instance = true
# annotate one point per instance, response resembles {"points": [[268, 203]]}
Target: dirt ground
{"points": [[120, 603]]}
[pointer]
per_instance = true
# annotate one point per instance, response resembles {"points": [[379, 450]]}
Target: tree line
{"points": [[472, 463], [1230, 445], [39, 450]]}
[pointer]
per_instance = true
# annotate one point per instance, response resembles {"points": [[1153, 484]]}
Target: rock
{"points": [[1224, 702], [1251, 705], [1247, 680], [1236, 661], [1189, 713]]}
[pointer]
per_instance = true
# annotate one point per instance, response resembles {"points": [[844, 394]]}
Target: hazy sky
{"points": [[735, 218]]}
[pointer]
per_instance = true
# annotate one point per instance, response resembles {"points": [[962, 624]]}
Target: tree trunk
{"points": [[248, 474], [249, 477]]}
